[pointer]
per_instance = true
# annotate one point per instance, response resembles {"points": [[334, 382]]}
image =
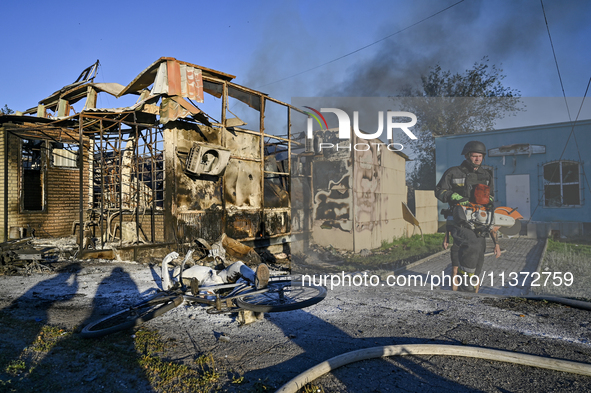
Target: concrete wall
{"points": [[357, 194], [380, 189], [426, 210]]}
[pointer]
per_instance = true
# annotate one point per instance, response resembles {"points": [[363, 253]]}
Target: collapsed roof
{"points": [[168, 90]]}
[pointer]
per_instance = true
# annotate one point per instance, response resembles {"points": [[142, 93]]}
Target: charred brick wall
{"points": [[61, 191]]}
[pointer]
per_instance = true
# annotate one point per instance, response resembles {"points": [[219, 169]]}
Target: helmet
{"points": [[474, 146]]}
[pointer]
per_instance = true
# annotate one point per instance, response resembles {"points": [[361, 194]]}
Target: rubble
{"points": [[19, 257]]}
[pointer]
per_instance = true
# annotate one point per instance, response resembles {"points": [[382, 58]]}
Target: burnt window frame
{"points": [[561, 183], [43, 175], [68, 147]]}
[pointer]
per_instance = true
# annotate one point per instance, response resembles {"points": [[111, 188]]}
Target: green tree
{"points": [[6, 110], [453, 103]]}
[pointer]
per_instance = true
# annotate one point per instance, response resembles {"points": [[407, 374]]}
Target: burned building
{"points": [[176, 165], [159, 172]]}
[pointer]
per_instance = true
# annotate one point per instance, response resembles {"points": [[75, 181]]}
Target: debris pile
{"points": [[20, 257], [226, 251]]}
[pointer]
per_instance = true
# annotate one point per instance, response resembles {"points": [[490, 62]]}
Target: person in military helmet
{"points": [[460, 186]]}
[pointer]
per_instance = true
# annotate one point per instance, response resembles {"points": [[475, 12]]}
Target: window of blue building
{"points": [[562, 184]]}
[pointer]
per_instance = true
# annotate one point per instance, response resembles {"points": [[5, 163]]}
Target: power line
{"points": [[363, 47], [555, 60], [572, 132]]}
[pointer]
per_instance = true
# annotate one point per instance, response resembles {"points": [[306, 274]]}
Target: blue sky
{"points": [[47, 45]]}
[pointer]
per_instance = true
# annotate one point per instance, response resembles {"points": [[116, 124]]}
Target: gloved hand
{"points": [[460, 200]]}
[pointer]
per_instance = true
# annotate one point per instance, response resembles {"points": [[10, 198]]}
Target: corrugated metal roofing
{"points": [[148, 76]]}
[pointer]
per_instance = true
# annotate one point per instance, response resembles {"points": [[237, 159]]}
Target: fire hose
{"points": [[433, 349]]}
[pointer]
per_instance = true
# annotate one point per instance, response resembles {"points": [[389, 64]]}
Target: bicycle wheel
{"points": [[133, 316], [282, 296]]}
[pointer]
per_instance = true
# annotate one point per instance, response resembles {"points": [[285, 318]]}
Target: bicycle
{"points": [[281, 294]]}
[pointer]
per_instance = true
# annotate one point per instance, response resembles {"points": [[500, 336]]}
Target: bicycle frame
{"points": [[217, 303], [238, 288], [283, 293]]}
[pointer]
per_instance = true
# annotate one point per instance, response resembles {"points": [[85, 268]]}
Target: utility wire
{"points": [[555, 60], [363, 47], [572, 132]]}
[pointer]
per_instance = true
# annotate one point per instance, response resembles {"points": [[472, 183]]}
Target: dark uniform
{"points": [[469, 244]]}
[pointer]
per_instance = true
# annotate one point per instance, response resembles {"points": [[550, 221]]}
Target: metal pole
{"points": [[5, 185], [137, 178], [153, 184], [262, 128], [223, 143], [289, 159], [120, 188], [101, 157], [81, 183]]}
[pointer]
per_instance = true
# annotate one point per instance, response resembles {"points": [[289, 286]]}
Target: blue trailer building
{"points": [[540, 170]]}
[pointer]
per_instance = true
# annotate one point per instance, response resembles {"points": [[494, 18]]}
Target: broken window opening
{"points": [[246, 114], [277, 176], [129, 172], [250, 99], [299, 129], [32, 174], [276, 119], [150, 168], [64, 155]]}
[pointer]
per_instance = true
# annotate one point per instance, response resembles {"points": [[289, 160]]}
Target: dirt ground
{"points": [[266, 354]]}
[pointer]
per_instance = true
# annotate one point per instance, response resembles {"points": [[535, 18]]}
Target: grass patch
{"points": [[574, 246], [311, 388], [36, 357], [166, 376], [397, 253], [567, 257]]}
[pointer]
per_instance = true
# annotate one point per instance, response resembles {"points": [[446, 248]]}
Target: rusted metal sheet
{"points": [[195, 84], [184, 83], [186, 105], [174, 77], [171, 109], [148, 76], [143, 80], [191, 83], [112, 88]]}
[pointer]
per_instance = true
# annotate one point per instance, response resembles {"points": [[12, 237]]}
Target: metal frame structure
{"points": [[122, 152]]}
